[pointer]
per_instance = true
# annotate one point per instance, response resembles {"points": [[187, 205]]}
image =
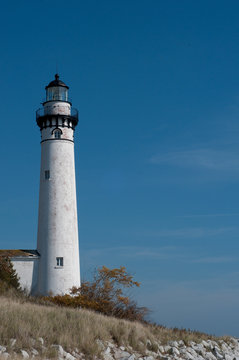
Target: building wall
{"points": [[57, 224], [57, 219], [27, 271]]}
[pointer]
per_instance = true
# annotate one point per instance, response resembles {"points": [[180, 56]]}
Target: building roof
{"points": [[57, 82], [19, 253]]}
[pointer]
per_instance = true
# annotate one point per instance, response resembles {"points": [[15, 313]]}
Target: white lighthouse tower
{"points": [[57, 241]]}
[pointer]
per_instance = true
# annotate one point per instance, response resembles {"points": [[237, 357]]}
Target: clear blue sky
{"points": [[157, 147]]}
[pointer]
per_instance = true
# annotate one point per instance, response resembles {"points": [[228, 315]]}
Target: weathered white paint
{"points": [[48, 133], [57, 107], [27, 269], [57, 219]]}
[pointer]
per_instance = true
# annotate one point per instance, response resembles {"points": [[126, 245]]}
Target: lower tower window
{"points": [[47, 174], [59, 261]]}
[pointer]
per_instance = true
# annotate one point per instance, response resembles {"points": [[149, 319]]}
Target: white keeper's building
{"points": [[54, 267]]}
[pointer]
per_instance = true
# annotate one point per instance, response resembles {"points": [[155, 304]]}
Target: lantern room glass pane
{"points": [[57, 93]]}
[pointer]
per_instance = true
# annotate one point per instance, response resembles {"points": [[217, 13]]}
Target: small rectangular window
{"points": [[59, 261], [47, 174]]}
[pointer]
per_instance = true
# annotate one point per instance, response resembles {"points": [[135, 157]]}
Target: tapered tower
{"points": [[57, 240]]}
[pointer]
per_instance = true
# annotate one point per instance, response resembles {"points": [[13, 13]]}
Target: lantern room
{"points": [[57, 90]]}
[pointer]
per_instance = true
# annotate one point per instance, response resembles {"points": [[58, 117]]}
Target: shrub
{"points": [[105, 295], [8, 275]]}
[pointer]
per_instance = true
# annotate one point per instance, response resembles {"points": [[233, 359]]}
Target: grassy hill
{"points": [[26, 321], [50, 328]]}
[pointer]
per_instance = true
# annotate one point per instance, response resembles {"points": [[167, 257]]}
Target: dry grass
{"points": [[78, 328]]}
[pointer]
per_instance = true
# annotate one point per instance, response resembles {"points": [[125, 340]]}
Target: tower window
{"points": [[59, 261], [57, 133], [47, 174]]}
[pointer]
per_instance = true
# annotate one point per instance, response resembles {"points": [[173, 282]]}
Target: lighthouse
{"points": [[57, 239]]}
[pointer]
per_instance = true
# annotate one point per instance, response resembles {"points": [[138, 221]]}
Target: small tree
{"points": [[8, 274], [105, 294]]}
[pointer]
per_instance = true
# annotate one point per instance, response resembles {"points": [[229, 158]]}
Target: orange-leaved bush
{"points": [[105, 294]]}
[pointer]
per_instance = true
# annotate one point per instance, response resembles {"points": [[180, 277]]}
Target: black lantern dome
{"points": [[57, 90], [57, 82]]}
